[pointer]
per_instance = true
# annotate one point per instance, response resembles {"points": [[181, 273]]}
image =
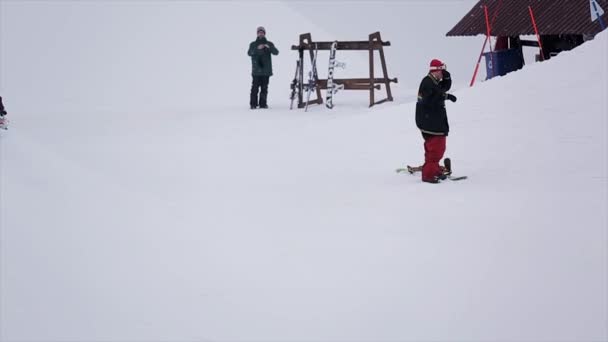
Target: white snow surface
{"points": [[141, 200]]}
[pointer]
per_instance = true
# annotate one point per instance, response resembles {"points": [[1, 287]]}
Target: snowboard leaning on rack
{"points": [[331, 87]]}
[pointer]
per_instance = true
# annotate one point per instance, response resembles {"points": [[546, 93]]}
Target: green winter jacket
{"points": [[261, 60]]}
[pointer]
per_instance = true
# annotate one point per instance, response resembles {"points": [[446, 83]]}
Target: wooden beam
{"points": [[322, 84], [353, 45], [362, 80]]}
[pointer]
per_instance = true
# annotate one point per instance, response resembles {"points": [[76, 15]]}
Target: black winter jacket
{"points": [[431, 116], [261, 61]]}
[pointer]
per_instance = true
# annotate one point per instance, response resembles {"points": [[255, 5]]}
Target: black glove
{"points": [[446, 75], [451, 97]]}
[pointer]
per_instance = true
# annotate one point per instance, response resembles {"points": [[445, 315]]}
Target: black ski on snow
{"points": [[312, 79], [295, 85]]}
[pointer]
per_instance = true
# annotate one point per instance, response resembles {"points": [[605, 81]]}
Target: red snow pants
{"points": [[434, 148]]}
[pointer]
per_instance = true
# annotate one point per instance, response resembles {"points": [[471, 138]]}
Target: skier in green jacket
{"points": [[260, 52]]}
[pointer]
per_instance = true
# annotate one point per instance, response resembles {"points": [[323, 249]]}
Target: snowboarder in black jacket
{"points": [[432, 118], [260, 52]]}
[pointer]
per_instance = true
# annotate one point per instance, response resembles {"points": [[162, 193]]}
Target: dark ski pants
{"points": [[434, 148], [259, 83]]}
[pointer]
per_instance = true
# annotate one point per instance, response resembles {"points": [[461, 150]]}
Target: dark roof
{"points": [[513, 18]]}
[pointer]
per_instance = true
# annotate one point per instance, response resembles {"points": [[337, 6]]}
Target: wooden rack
{"points": [[372, 83]]}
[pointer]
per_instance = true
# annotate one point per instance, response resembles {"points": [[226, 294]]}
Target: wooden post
{"points": [[313, 67], [306, 42], [371, 70], [301, 75], [319, 96], [387, 82]]}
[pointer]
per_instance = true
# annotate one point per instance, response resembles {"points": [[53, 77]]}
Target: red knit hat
{"points": [[437, 65]]}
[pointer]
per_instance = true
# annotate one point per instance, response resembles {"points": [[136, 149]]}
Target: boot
{"points": [[448, 166], [434, 180]]}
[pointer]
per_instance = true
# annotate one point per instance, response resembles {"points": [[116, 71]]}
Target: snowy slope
{"points": [[155, 56], [216, 223], [116, 57]]}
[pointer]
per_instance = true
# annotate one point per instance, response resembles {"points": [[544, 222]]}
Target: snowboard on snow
{"points": [[447, 170]]}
